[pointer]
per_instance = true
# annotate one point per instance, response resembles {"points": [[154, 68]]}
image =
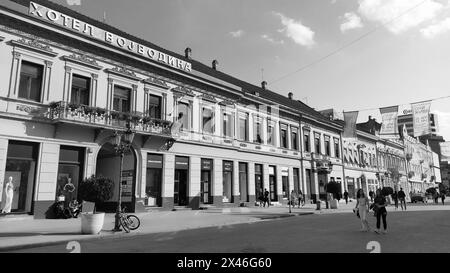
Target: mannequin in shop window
{"points": [[9, 193]]}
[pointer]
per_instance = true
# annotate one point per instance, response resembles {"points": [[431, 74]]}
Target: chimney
{"points": [[290, 95], [214, 64], [263, 85], [370, 118], [187, 53]]}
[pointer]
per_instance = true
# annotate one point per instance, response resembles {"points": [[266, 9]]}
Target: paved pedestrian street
{"points": [[408, 232]]}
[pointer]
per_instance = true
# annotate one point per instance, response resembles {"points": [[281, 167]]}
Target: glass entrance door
{"points": [[259, 190], [180, 188], [272, 184], [206, 187]]}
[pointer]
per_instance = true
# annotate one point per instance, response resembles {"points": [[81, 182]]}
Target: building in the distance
{"points": [[407, 120]]}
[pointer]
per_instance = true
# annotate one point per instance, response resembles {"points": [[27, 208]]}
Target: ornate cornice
{"points": [[227, 102], [183, 91], [83, 60], [122, 71], [156, 81], [208, 97], [34, 45]]}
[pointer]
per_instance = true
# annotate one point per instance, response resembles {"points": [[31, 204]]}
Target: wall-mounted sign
{"points": [[227, 166], [86, 29], [206, 164]]}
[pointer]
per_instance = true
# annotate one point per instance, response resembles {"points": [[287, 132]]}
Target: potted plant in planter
{"points": [[96, 190]]}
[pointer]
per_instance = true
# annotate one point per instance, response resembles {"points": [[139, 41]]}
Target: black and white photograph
{"points": [[224, 132]]}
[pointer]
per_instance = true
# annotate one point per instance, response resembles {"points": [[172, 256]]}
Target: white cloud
{"points": [[295, 30], [237, 33], [383, 11], [351, 21], [436, 29], [73, 2], [270, 39]]}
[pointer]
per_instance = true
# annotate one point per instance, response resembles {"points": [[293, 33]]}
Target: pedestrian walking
{"points": [[362, 205], [443, 197], [401, 197], [436, 197], [266, 198], [380, 210], [301, 200], [346, 197], [395, 198], [293, 198]]}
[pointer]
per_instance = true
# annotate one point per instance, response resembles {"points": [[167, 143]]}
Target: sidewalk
{"points": [[22, 232]]}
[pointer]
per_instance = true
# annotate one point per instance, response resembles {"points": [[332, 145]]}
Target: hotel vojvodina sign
{"points": [[76, 25]]}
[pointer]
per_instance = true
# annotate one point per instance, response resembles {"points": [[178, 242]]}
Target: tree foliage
{"points": [[96, 189], [385, 191]]}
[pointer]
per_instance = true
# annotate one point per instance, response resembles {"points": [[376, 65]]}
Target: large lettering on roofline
{"points": [[76, 25]]}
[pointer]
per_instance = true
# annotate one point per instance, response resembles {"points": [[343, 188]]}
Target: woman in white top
{"points": [[362, 205]]}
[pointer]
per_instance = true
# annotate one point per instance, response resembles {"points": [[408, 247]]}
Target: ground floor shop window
{"points": [[181, 180], [227, 181], [273, 184], [243, 181], [309, 182], [296, 177], [351, 187], [285, 181], [153, 183], [259, 186], [206, 177], [70, 173], [20, 173]]}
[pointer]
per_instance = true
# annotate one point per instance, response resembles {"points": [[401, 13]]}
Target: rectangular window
{"points": [[21, 162], [294, 139], [306, 141], [228, 124], [183, 115], [327, 146], [243, 181], [30, 84], [155, 107], [243, 127], [80, 90], [70, 172], [153, 183], [283, 136], [207, 120], [259, 184], [336, 148], [270, 133], [122, 99], [227, 181], [296, 176], [317, 143], [257, 134]]}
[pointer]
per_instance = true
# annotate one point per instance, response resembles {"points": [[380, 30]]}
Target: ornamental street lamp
{"points": [[122, 144]]}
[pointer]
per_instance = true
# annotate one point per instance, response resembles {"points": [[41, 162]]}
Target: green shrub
{"points": [[96, 189]]}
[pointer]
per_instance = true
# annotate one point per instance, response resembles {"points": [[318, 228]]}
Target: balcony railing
{"points": [[100, 117]]}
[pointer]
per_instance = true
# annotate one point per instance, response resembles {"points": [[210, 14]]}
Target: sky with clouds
{"points": [[349, 54]]}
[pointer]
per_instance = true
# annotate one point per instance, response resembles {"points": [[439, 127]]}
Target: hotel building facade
{"points": [[202, 137]]}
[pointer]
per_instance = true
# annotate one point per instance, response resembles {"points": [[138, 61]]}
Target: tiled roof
{"points": [[264, 93]]}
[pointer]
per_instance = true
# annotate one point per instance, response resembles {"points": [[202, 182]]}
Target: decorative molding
{"points": [[156, 81], [181, 90], [2, 38], [82, 59], [16, 55], [122, 71], [110, 81], [68, 69], [94, 76], [48, 63], [227, 102], [208, 97], [34, 45]]}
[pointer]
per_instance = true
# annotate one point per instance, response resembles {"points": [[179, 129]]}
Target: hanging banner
{"points": [[389, 126], [445, 151], [421, 118], [350, 124]]}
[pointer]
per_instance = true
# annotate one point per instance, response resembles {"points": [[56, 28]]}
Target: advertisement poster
{"points": [[445, 151], [421, 118], [389, 126]]}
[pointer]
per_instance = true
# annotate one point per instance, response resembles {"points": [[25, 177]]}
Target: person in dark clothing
{"points": [[371, 193], [380, 210], [395, 198], [301, 200], [443, 197], [346, 197], [401, 197], [266, 198]]}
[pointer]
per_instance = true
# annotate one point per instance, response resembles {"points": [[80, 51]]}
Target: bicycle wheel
{"points": [[123, 221], [133, 222]]}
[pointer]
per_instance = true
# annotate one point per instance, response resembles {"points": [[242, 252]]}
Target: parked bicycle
{"points": [[129, 221]]}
